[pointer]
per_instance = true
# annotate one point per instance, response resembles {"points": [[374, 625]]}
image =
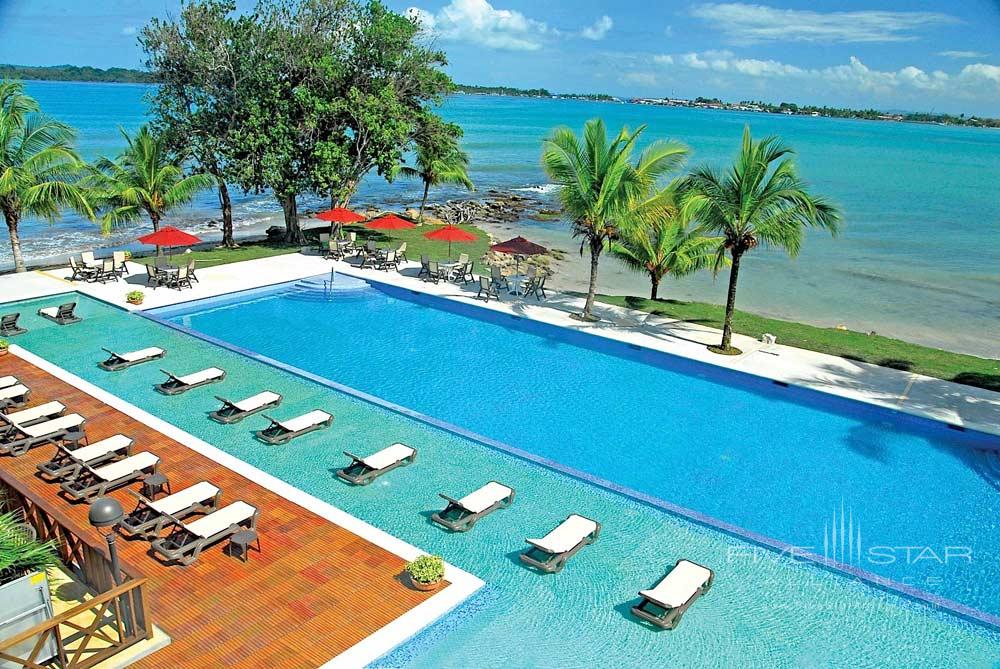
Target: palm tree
{"points": [[143, 180], [666, 244], [759, 200], [38, 166], [439, 158], [599, 186]]}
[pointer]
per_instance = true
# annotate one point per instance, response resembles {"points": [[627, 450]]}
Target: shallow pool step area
{"points": [[328, 288]]}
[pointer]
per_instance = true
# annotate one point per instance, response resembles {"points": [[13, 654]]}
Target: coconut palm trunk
{"points": [[727, 325], [423, 200], [12, 220], [654, 281]]}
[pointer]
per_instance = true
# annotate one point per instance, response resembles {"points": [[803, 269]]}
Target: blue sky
{"points": [[916, 55]]}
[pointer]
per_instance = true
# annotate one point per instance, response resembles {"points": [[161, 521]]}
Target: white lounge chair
{"points": [[150, 517], [14, 396], [97, 482], [363, 471], [24, 437], [174, 385], [187, 540], [551, 552], [67, 464], [234, 412], [36, 414], [117, 361], [461, 514], [64, 314], [664, 605], [283, 431]]}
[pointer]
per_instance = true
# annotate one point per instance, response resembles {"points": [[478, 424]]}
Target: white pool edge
{"points": [[462, 584]]}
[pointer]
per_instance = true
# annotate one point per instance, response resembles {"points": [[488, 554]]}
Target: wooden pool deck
{"points": [[315, 590]]}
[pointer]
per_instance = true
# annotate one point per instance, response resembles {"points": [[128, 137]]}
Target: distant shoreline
{"points": [[119, 75]]}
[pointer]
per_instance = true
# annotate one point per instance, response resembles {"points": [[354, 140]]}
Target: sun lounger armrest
{"points": [[142, 499], [227, 403], [274, 421], [108, 351], [353, 457], [169, 375]]}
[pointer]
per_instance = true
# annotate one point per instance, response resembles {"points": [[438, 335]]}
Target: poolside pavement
{"points": [[959, 405], [316, 590]]}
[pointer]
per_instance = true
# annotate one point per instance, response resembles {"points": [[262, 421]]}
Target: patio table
{"points": [[449, 267], [516, 282]]}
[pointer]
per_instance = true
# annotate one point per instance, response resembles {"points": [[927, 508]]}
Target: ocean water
{"points": [[764, 610], [917, 259]]}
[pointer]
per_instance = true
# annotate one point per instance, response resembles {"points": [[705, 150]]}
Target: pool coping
{"points": [[462, 584], [782, 548]]}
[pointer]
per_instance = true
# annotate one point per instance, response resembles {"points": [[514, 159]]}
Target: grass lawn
{"points": [[221, 256], [876, 349]]}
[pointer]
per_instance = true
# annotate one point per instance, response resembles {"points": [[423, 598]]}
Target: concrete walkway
{"points": [[960, 405]]}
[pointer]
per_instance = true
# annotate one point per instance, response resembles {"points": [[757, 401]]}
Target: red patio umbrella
{"points": [[450, 233], [169, 236], [517, 247], [340, 215], [389, 222]]}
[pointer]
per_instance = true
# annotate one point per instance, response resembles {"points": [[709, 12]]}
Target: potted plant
{"points": [[25, 599], [426, 572], [135, 297], [4, 345]]}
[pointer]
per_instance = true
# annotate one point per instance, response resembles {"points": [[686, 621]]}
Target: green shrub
{"points": [[426, 569], [20, 552]]}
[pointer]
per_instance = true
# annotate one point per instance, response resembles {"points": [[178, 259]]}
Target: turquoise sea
{"points": [[918, 257]]}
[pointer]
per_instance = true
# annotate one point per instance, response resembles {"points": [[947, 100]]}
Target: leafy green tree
{"points": [[759, 200], [664, 243], [439, 158], [39, 168], [142, 180], [599, 185], [196, 61], [334, 89]]}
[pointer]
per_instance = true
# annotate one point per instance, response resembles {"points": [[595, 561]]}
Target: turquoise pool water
{"points": [[765, 610], [785, 463]]}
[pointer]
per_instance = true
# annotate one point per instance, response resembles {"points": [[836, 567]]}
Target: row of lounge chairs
{"points": [[85, 472], [277, 432], [64, 314], [663, 605]]}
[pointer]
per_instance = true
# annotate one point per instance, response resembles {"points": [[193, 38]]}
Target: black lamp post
{"points": [[105, 514]]}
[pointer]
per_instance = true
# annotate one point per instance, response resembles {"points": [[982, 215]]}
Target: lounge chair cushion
{"points": [[200, 377], [679, 586], [183, 499], [52, 426], [51, 312], [141, 354], [566, 537], [11, 392], [34, 413], [6, 381], [304, 421], [257, 401], [99, 449], [117, 470], [217, 521], [485, 497], [388, 456]]}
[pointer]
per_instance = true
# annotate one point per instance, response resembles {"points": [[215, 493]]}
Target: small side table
{"points": [[242, 542], [156, 484]]}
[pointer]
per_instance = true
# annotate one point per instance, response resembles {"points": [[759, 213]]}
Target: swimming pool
{"points": [[786, 463], [764, 610]]}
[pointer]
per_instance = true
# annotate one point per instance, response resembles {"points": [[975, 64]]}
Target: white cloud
{"points": [[975, 80], [962, 54], [477, 21], [646, 79], [599, 29], [749, 23], [129, 30]]}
